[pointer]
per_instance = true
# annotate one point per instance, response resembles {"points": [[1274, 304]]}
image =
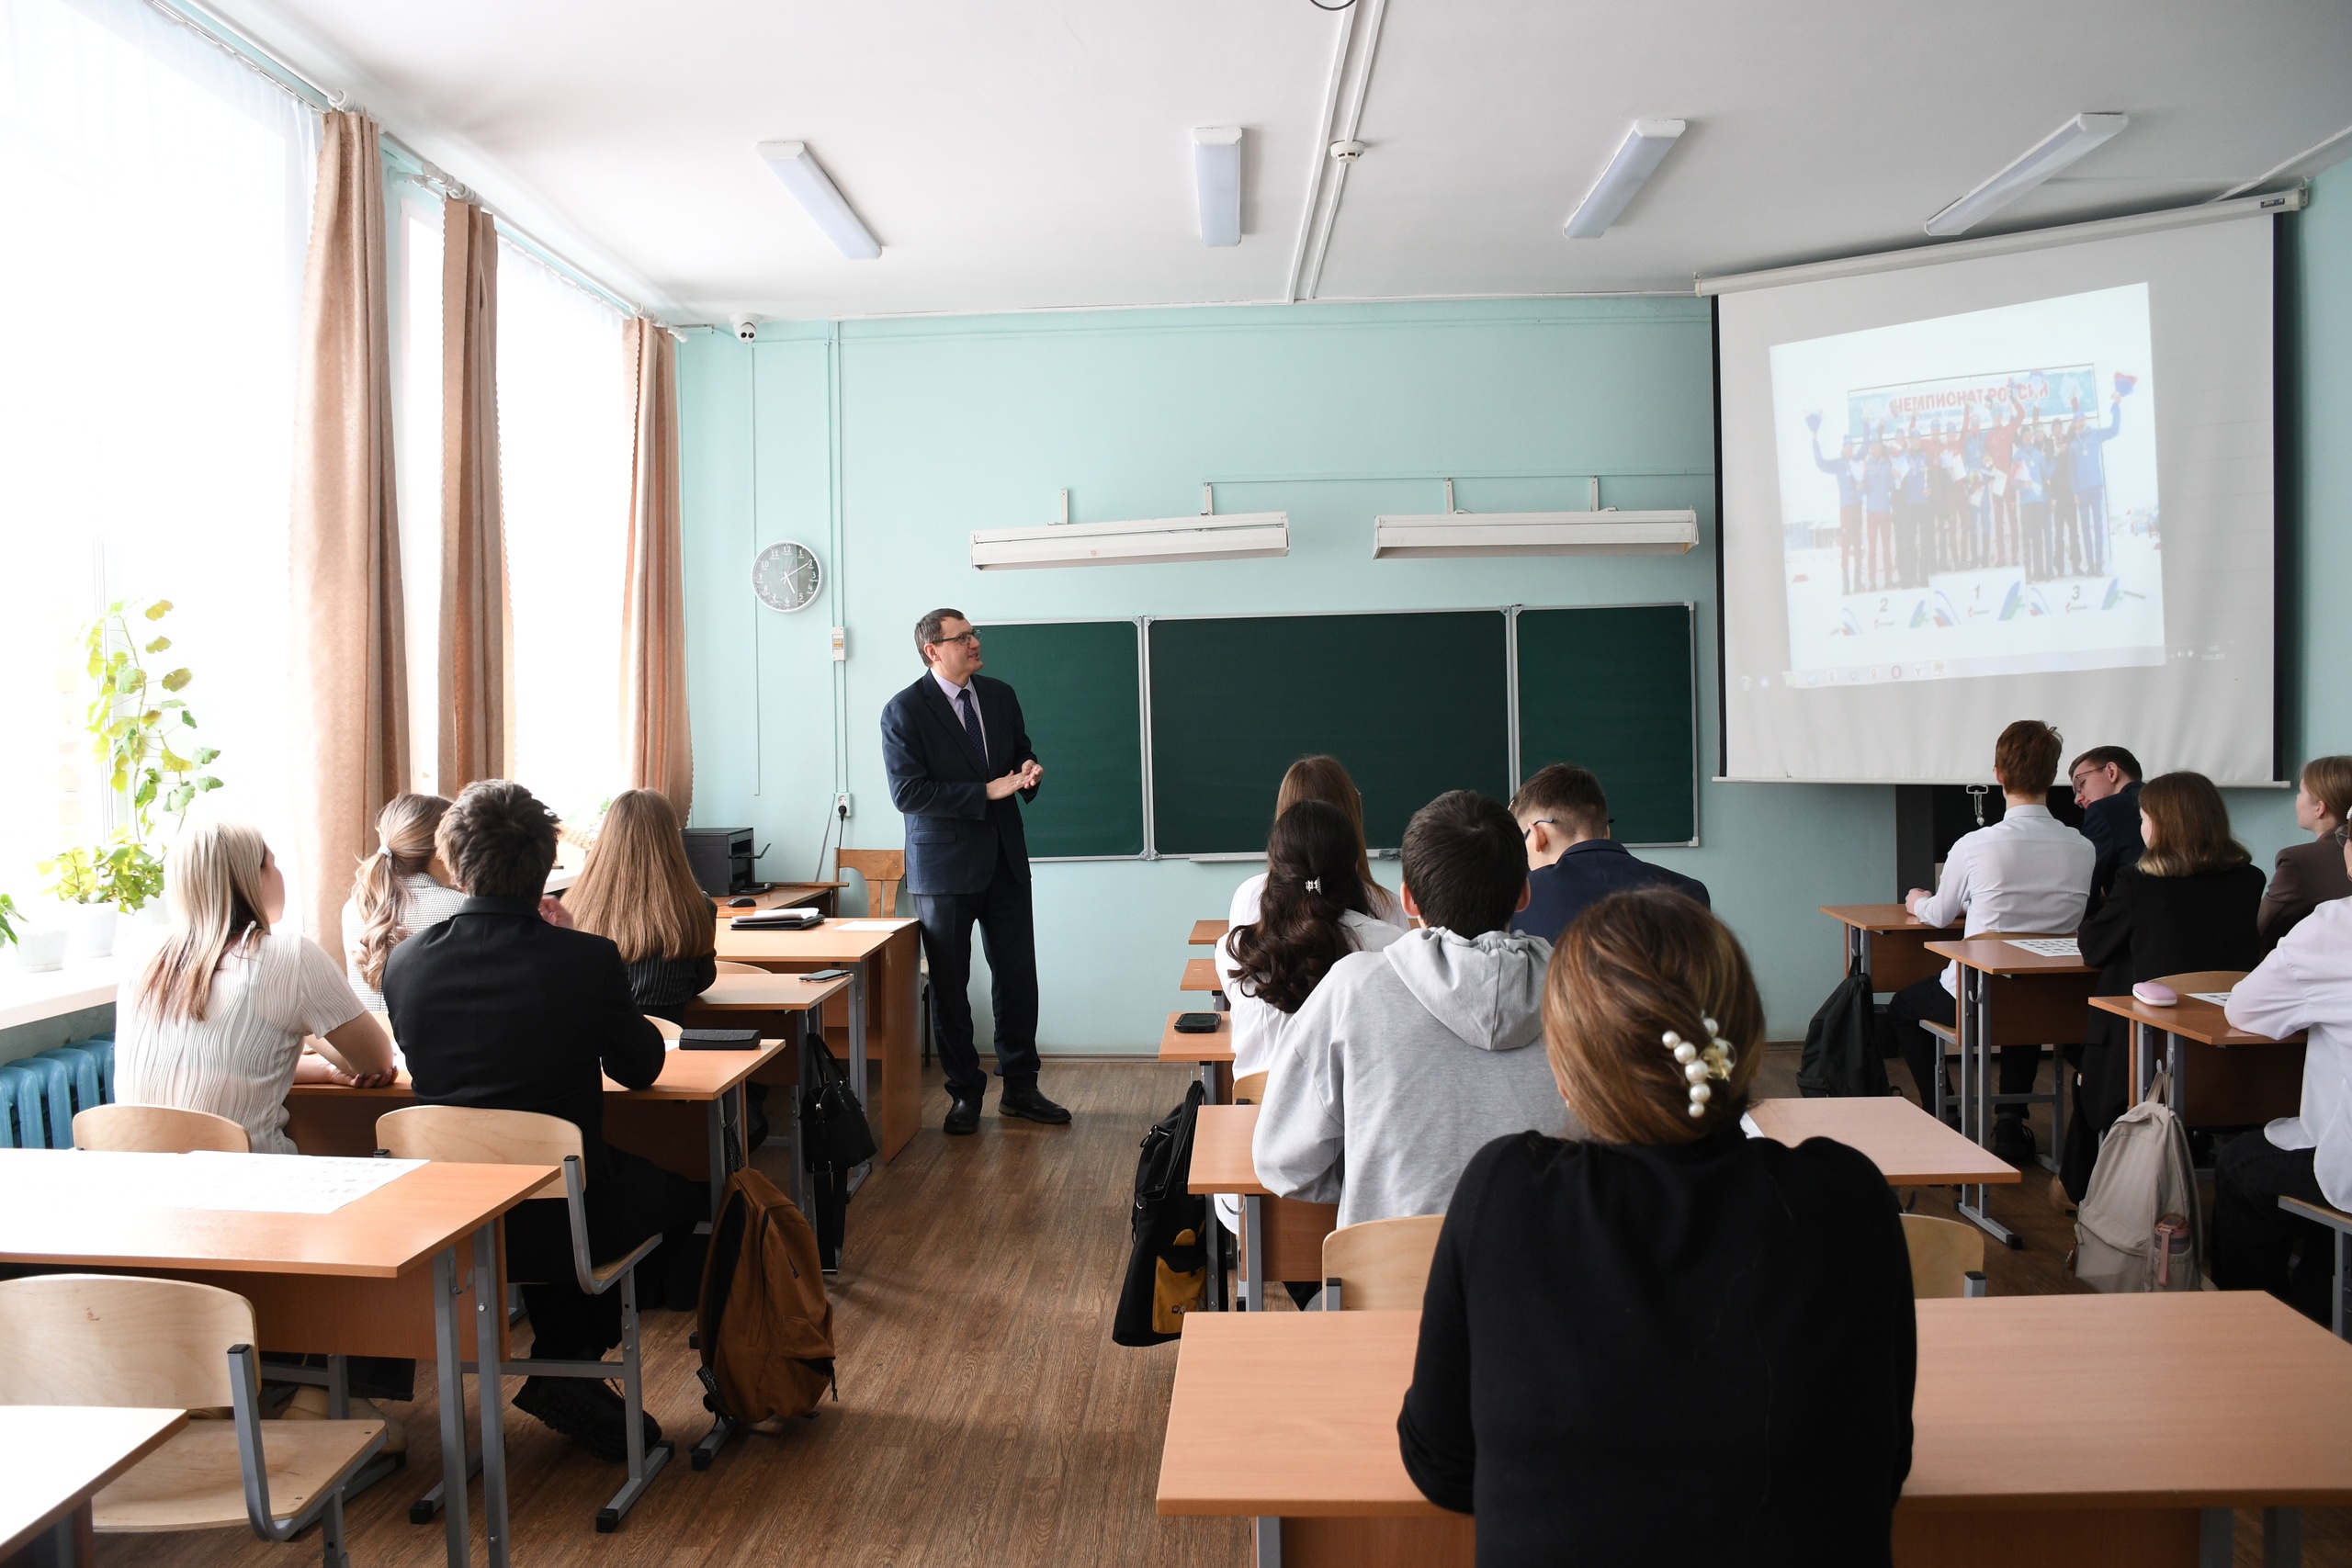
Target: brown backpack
{"points": [[767, 1329]]}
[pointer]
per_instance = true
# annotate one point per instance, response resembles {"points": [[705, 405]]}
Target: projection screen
{"points": [[2033, 484]]}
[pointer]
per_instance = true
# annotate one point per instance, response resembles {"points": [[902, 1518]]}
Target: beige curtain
{"points": [[654, 734], [350, 692], [474, 622]]}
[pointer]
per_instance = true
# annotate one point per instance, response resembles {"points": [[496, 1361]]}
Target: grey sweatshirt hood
{"points": [[1487, 990]]}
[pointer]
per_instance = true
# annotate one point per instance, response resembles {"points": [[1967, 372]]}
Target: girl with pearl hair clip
{"points": [[1599, 1311]]}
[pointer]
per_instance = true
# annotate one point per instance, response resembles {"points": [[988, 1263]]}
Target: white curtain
{"points": [[565, 428], [159, 206]]}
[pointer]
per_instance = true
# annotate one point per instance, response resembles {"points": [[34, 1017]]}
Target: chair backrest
{"points": [[662, 1026], [1382, 1264], [1250, 1089], [883, 871], [468, 1135], [727, 967], [1944, 1254], [157, 1130], [118, 1340]]}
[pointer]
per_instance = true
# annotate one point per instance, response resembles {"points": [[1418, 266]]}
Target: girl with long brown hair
{"points": [[638, 889], [401, 889], [1671, 1342], [1325, 779]]}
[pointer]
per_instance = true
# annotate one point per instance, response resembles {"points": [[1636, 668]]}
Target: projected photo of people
{"points": [[1973, 494]]}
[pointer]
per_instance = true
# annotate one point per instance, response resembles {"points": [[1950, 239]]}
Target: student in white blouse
{"points": [[2305, 984], [2027, 875], [217, 1019], [1323, 779], [399, 891]]}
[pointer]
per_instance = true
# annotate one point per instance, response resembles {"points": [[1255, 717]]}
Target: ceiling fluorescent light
{"points": [[1232, 536], [2048, 155], [815, 191], [1609, 533], [1638, 156], [1216, 169]]}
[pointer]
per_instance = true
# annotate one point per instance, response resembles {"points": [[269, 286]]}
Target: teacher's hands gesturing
{"points": [[1025, 776]]}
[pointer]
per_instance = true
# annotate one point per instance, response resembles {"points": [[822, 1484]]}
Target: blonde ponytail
{"points": [[405, 828]]}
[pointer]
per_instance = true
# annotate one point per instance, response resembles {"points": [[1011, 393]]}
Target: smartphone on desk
{"points": [[825, 974]]}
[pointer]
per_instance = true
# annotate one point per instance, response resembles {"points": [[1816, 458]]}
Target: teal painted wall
{"points": [[882, 444]]}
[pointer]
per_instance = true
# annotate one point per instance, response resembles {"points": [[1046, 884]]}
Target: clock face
{"points": [[786, 576]]}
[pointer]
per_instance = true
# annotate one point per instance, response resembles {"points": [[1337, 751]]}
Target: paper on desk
{"points": [[2049, 946], [1748, 1125], [274, 1184], [871, 925], [2219, 999]]}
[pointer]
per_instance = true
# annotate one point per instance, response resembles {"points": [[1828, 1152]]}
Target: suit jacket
{"points": [[2154, 926], [1585, 875], [939, 783], [2305, 876], [2112, 826], [497, 1009]]}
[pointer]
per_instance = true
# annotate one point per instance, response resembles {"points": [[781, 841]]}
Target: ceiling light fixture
{"points": [[821, 199], [1216, 170], [1638, 156], [2052, 153]]}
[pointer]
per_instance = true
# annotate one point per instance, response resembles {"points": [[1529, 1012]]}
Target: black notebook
{"points": [[718, 1040], [795, 920]]}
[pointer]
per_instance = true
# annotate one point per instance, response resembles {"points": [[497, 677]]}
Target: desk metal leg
{"points": [[489, 1314], [1213, 1258], [1268, 1542], [2341, 1314], [2215, 1529], [1208, 1083], [1973, 1018], [65, 1544], [450, 1376], [857, 1009], [1254, 1270], [804, 1076], [714, 1121], [2283, 1538]]}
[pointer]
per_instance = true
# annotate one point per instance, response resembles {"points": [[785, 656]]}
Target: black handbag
{"points": [[833, 1133]]}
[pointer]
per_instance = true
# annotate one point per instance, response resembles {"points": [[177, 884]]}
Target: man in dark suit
{"points": [[957, 752], [504, 1006], [1572, 861], [2106, 787]]}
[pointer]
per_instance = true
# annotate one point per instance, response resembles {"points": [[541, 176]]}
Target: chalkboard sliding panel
{"points": [[1080, 686], [1613, 688], [1414, 703]]}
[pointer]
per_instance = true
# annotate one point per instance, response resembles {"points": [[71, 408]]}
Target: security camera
{"points": [[747, 328]]}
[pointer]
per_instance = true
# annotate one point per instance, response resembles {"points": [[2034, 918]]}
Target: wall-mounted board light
{"points": [[1216, 171], [1233, 537], [1535, 534], [1638, 156], [821, 199], [2045, 158]]}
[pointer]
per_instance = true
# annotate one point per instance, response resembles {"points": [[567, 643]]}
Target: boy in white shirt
{"points": [[2027, 875]]}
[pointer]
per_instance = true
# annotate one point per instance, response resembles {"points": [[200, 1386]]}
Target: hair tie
{"points": [[1314, 885], [383, 851], [1715, 1061]]}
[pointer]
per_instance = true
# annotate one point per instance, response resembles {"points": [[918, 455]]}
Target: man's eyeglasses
{"points": [[1529, 832], [969, 639]]}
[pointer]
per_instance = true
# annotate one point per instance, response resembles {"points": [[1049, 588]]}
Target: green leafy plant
{"points": [[9, 915]]}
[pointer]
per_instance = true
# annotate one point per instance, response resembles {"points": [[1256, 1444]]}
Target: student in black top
{"points": [[2188, 903], [638, 889], [503, 1007], [1573, 864], [1673, 1343], [2107, 788]]}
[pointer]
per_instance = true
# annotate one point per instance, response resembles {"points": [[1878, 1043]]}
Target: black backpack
{"points": [[1168, 1268], [1841, 1055], [834, 1139]]}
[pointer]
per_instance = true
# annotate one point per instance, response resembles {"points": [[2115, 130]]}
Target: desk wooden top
{"points": [[1881, 918], [831, 943], [1216, 1047], [686, 1075], [2200, 1399], [1910, 1147], [768, 993], [58, 1207], [1206, 933], [785, 895], [2191, 1020], [57, 1457], [1999, 955], [1200, 975], [1221, 1158]]}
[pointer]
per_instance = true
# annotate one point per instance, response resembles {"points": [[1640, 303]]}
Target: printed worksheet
{"points": [[2049, 946], [274, 1184], [2219, 999]]}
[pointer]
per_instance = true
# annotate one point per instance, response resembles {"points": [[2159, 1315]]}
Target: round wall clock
{"points": [[786, 576]]}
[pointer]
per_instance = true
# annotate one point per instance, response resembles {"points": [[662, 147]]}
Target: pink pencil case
{"points": [[2155, 996]]}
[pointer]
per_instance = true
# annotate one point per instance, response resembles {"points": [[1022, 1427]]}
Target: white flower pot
{"points": [[89, 930], [39, 951]]}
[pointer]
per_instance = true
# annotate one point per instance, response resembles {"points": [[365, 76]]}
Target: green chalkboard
{"points": [[1082, 699], [1415, 704], [1610, 688]]}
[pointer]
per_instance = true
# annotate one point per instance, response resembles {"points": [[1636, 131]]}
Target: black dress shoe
{"points": [[2013, 1141], [962, 1116], [1024, 1101]]}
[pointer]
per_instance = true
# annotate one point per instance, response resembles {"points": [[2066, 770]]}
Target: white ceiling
{"points": [[1036, 153]]}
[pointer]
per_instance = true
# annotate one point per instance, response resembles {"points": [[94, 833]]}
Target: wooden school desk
{"points": [[881, 1025], [2153, 1415], [57, 1457], [1214, 1053], [2009, 995], [1206, 933], [739, 1000], [2219, 1077], [377, 1277], [820, 895], [1282, 1238], [1200, 975], [1883, 942], [1910, 1147]]}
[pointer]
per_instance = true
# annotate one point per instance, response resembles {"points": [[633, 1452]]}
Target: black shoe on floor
{"points": [[962, 1116], [585, 1411], [2013, 1141], [1023, 1099]]}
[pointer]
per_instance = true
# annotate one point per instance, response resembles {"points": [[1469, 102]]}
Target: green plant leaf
{"points": [[128, 678], [158, 644], [207, 782], [177, 679], [186, 718], [205, 753], [177, 801], [156, 610]]}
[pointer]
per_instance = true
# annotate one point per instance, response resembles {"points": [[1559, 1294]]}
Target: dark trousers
{"points": [[1008, 936], [637, 1200], [1927, 1001], [2255, 1241]]}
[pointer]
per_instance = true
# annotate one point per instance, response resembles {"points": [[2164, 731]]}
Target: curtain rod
{"points": [[257, 57]]}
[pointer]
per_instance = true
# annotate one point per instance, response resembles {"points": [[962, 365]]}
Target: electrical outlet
{"points": [[841, 645], [841, 807]]}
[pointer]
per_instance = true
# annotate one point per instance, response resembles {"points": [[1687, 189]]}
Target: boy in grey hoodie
{"points": [[1406, 1062]]}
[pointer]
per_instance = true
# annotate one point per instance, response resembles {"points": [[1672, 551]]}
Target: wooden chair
{"points": [[1250, 1089], [1379, 1265], [475, 1136], [2336, 1220], [883, 871], [157, 1130], [727, 967], [118, 1341], [1947, 1258]]}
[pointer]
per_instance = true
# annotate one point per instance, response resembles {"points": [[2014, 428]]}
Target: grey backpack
{"points": [[2143, 1174]]}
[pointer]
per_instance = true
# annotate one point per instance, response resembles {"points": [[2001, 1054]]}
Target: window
{"points": [[160, 199], [413, 218]]}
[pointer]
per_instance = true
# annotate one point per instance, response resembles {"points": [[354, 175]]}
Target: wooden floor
{"points": [[986, 1417]]}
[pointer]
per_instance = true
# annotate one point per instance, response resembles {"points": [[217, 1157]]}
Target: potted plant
{"points": [[132, 720], [38, 947]]}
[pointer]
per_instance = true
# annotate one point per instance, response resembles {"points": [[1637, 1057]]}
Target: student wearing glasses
{"points": [[1572, 861]]}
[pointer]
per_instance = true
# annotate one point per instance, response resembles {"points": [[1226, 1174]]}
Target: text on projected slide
{"points": [[1971, 494]]}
